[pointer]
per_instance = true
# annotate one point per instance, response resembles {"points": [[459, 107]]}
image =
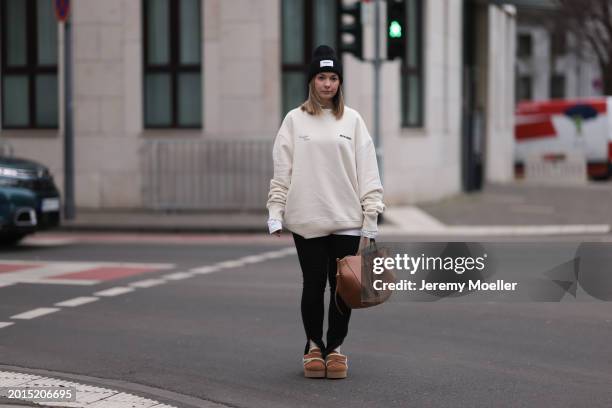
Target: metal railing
{"points": [[206, 174]]}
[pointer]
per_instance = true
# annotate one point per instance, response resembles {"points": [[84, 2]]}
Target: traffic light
{"points": [[350, 29], [396, 29]]}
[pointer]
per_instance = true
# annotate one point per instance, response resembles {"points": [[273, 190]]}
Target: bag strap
{"points": [[336, 291], [336, 301], [371, 246]]}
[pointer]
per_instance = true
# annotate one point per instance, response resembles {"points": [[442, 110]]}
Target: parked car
{"points": [[29, 199]]}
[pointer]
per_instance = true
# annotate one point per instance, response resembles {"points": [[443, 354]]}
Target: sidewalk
{"points": [[513, 208], [526, 204], [159, 221], [6, 403]]}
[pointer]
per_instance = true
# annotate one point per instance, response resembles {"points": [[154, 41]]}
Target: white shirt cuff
{"points": [[369, 234], [274, 225]]}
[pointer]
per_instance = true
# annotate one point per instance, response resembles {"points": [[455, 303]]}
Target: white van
{"points": [[557, 126]]}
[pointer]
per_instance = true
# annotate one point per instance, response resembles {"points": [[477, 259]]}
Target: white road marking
{"points": [[529, 230], [205, 269], [77, 301], [253, 259], [275, 255], [178, 275], [32, 314], [43, 271], [119, 290], [289, 251], [5, 284], [231, 264], [244, 260], [147, 283], [411, 220]]}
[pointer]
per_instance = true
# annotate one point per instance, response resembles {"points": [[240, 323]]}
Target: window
{"points": [[412, 67], [557, 86], [523, 88], [305, 25], [29, 64], [172, 64], [558, 44], [525, 45]]}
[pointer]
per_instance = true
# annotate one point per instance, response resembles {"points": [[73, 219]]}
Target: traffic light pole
{"points": [[354, 30], [69, 210], [377, 64]]}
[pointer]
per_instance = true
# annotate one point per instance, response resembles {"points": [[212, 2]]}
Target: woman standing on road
{"points": [[326, 190]]}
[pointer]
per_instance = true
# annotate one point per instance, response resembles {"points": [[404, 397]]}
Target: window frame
{"points": [[417, 70], [558, 82], [524, 45], [524, 82], [31, 69], [173, 68]]}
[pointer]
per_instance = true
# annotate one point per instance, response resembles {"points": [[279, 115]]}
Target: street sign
{"points": [[62, 10]]}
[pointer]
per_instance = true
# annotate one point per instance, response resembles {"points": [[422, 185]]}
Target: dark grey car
{"points": [[29, 199]]}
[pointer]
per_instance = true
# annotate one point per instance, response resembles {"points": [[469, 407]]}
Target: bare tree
{"points": [[590, 21]]}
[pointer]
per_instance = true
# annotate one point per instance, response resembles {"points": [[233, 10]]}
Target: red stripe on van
{"points": [[535, 130], [558, 107]]}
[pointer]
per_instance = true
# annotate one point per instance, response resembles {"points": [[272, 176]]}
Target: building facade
{"points": [[171, 71], [550, 63]]}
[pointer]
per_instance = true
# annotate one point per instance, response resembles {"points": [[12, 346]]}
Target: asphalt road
{"points": [[234, 335]]}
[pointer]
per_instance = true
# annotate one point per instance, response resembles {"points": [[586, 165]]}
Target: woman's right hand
{"points": [[275, 226]]}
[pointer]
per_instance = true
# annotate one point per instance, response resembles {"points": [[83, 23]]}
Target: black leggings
{"points": [[318, 262]]}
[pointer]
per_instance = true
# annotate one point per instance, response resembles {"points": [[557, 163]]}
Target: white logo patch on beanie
{"points": [[326, 63]]}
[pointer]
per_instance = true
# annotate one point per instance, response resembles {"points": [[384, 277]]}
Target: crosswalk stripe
{"points": [[206, 269], [5, 324], [178, 275], [119, 290], [234, 263], [253, 259], [77, 301], [72, 272], [147, 283], [231, 264], [32, 314]]}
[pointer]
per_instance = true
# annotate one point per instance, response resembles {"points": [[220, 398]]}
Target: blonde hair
{"points": [[313, 104]]}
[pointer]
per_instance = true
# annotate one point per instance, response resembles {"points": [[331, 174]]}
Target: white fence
{"points": [[206, 175]]}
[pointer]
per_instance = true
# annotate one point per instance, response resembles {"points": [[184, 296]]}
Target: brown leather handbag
{"points": [[355, 278]]}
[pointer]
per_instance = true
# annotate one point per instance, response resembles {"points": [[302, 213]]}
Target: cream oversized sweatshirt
{"points": [[325, 174]]}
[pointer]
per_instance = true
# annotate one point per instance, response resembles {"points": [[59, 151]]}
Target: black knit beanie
{"points": [[324, 60]]}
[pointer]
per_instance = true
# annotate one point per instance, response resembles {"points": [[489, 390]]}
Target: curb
{"points": [[161, 229], [122, 391]]}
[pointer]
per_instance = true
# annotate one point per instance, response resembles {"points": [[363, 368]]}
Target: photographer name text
{"points": [[408, 285]]}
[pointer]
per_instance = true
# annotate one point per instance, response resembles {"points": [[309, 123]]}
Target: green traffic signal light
{"points": [[395, 29]]}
